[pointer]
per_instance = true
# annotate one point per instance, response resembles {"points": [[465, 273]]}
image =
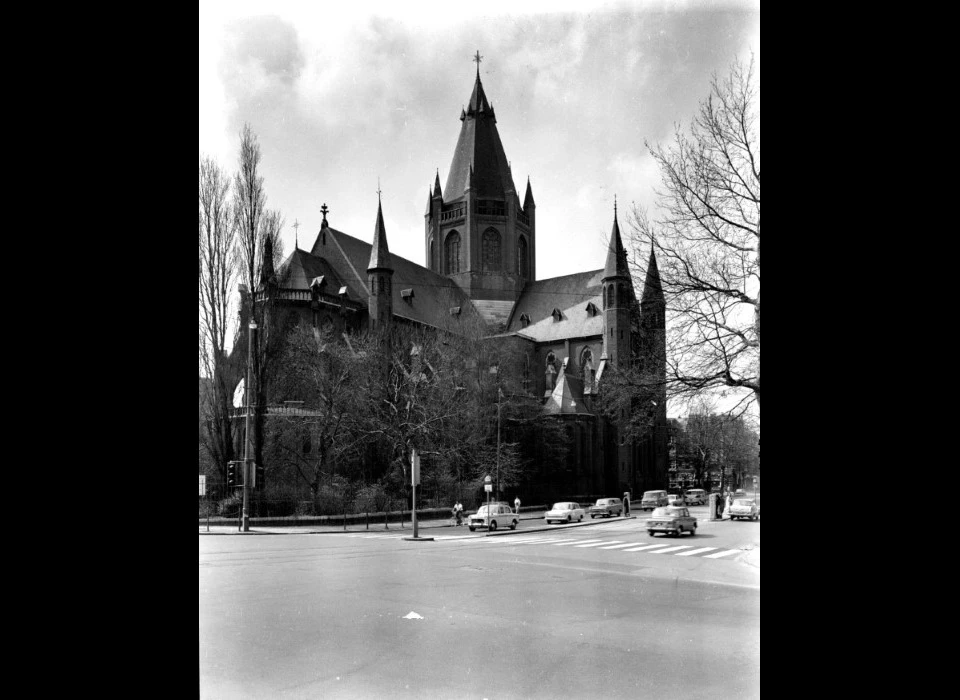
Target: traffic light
{"points": [[234, 474]]}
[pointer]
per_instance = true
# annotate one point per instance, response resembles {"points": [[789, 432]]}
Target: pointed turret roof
{"points": [[528, 198], [479, 144], [437, 192], [616, 254], [652, 287], [379, 252]]}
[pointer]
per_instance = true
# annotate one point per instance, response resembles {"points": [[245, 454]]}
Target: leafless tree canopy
{"points": [[707, 241], [217, 240]]}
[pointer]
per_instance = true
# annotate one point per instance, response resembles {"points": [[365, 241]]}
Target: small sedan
{"points": [[606, 508], [674, 520], [493, 516], [675, 499], [744, 508], [565, 512]]}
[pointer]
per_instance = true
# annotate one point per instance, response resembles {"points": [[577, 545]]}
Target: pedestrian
{"points": [[516, 505], [458, 513], [729, 502]]}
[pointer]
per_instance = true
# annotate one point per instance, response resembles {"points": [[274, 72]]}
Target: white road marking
{"points": [[621, 546], [646, 546], [597, 544], [561, 544], [722, 554], [695, 551], [672, 549]]}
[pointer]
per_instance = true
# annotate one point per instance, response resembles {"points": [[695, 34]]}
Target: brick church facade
{"points": [[480, 242]]}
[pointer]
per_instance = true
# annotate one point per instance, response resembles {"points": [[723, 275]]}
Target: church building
{"points": [[480, 244]]}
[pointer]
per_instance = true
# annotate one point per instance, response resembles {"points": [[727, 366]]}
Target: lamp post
{"points": [[246, 449], [499, 396]]}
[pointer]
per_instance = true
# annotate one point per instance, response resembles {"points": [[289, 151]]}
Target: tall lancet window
{"points": [[586, 369], [522, 258], [491, 250], [452, 253]]}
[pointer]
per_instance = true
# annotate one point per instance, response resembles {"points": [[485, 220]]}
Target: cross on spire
{"points": [[614, 203], [296, 234], [477, 59], [324, 211], [378, 189]]}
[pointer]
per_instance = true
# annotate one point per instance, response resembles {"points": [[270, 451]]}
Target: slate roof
{"points": [[479, 146], [570, 294], [567, 398], [434, 294], [616, 254], [300, 269]]}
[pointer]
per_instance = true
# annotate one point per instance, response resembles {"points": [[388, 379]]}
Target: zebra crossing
{"points": [[617, 546]]}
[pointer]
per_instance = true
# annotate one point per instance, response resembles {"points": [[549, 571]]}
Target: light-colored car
{"points": [[695, 497], [744, 508], [494, 516], [606, 508], [675, 499], [564, 512], [653, 499], [674, 520]]}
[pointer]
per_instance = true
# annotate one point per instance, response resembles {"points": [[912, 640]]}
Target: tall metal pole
{"points": [[246, 449], [499, 394]]}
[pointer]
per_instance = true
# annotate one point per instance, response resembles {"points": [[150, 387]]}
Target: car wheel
{"points": [[513, 526], [650, 532], [694, 530], [569, 519], [472, 528], [493, 526], [580, 519], [592, 516]]}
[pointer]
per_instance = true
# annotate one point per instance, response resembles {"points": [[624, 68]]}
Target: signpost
{"points": [[414, 482], [488, 487], [203, 484]]}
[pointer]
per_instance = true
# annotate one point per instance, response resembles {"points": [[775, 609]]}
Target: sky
{"points": [[346, 101]]}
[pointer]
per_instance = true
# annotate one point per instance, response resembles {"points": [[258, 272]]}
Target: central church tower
{"points": [[477, 231]]}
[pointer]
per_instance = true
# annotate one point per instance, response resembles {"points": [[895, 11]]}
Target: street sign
{"points": [[415, 462], [488, 488], [487, 479], [203, 484]]}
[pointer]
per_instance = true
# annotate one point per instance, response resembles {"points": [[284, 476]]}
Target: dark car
{"points": [[606, 508], [674, 520]]}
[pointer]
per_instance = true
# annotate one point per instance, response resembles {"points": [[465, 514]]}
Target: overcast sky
{"points": [[339, 98]]}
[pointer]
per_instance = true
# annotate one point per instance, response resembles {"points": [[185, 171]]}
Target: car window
{"points": [[661, 513]]}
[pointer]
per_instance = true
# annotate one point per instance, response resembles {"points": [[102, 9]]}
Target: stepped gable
{"points": [[434, 294], [570, 294], [301, 268], [479, 146]]}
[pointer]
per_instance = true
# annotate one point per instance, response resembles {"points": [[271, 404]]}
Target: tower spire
{"points": [[616, 254], [379, 251]]}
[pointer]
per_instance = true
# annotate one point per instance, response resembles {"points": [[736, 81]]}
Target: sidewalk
{"points": [[376, 527]]}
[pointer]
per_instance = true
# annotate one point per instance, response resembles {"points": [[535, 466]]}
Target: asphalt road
{"points": [[566, 612]]}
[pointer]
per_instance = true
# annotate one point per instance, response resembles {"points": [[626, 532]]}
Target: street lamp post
{"points": [[247, 472], [499, 396]]}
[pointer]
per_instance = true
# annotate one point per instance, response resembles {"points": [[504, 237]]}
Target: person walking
{"points": [[458, 513], [516, 505], [727, 504]]}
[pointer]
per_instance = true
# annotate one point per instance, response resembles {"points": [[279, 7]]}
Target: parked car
{"points": [[564, 512], [653, 499], [744, 508], [739, 493], [672, 519], [606, 508], [695, 497], [494, 515], [675, 499]]}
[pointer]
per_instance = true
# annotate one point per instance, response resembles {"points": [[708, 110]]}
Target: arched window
{"points": [[522, 257], [610, 296], [433, 255], [491, 250], [586, 368], [452, 253], [551, 371]]}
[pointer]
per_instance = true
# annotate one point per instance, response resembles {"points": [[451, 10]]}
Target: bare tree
{"points": [[707, 242], [217, 262], [259, 246]]}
